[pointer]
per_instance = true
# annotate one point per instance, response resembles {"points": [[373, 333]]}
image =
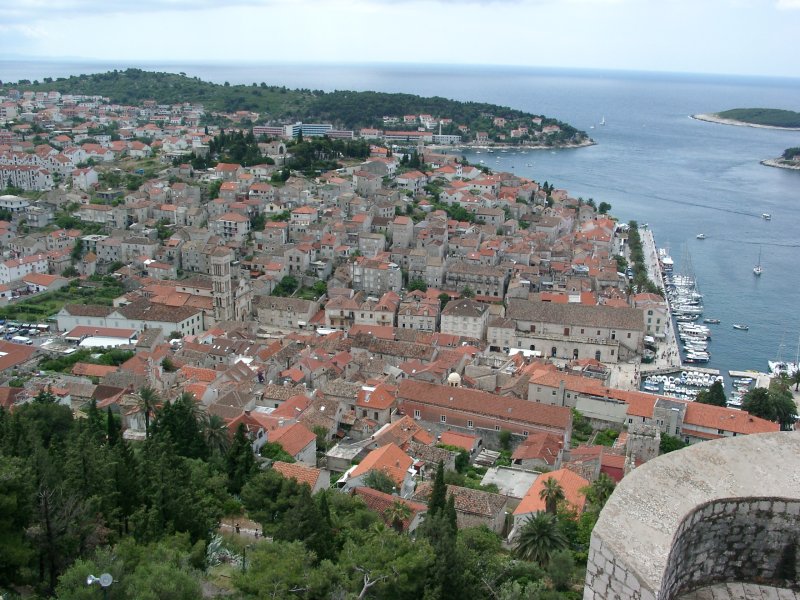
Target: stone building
{"points": [[465, 317]]}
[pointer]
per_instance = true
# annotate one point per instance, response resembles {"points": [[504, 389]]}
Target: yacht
{"points": [[757, 270]]}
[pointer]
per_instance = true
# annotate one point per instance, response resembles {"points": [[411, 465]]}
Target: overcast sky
{"points": [[756, 37]]}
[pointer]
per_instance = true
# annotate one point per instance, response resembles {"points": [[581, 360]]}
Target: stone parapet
{"points": [[721, 511]]}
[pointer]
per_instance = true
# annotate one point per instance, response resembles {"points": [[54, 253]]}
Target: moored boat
{"points": [[741, 326], [712, 321]]}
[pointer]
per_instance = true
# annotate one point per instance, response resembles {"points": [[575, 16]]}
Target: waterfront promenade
{"points": [[628, 376]]}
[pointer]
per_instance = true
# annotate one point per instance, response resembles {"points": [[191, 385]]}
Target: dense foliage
{"points": [[791, 153], [763, 116], [78, 500]]}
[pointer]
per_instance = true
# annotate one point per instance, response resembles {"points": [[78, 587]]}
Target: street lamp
{"points": [[105, 580]]}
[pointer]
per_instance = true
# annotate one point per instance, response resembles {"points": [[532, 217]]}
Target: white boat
{"points": [[701, 236], [740, 326], [757, 270], [603, 120], [766, 216]]}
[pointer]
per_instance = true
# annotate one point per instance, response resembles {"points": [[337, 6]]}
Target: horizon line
{"points": [[140, 63]]}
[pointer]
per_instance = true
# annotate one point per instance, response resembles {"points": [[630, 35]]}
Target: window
{"points": [[581, 330], [443, 419], [417, 414], [497, 427], [525, 433], [629, 335], [469, 425], [553, 393]]}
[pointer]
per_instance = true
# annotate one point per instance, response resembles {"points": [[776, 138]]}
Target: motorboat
{"points": [[741, 326], [766, 216], [757, 270], [712, 321], [701, 236]]}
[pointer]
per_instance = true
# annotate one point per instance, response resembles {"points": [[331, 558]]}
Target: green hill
{"points": [[763, 116], [345, 109]]}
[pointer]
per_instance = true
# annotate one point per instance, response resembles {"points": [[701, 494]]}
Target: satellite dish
{"points": [[106, 580]]}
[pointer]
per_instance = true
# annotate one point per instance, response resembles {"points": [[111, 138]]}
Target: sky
{"points": [[746, 37]]}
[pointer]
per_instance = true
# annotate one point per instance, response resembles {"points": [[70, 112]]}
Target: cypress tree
{"points": [[450, 513], [112, 428], [438, 499]]}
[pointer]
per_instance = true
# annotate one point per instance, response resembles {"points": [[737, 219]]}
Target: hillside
{"points": [[772, 117], [345, 109]]}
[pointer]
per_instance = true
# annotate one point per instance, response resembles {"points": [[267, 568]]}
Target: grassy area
{"points": [[37, 308]]}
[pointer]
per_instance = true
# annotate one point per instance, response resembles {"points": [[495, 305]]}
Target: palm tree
{"points": [[599, 492], [552, 493], [796, 378], [540, 538], [215, 432], [148, 398], [397, 514]]}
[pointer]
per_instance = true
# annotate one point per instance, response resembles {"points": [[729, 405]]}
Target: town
{"points": [[362, 326]]}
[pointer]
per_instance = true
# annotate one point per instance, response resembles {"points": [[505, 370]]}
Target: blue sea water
{"points": [[652, 163]]}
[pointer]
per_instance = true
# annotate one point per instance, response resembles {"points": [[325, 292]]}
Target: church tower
{"points": [[221, 260]]}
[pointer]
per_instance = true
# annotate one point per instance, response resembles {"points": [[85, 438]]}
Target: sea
{"points": [[652, 163]]}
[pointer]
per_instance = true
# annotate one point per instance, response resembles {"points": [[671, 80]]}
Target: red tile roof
{"points": [[570, 482], [486, 404], [292, 438], [725, 419], [379, 502], [298, 472], [390, 459]]}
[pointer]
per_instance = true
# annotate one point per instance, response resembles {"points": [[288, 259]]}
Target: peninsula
{"points": [[352, 114], [767, 118]]}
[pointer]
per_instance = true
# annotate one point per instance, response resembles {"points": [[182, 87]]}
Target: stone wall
{"points": [[725, 510], [748, 540]]}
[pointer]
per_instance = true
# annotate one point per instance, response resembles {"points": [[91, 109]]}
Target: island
{"points": [[765, 118], [768, 118]]}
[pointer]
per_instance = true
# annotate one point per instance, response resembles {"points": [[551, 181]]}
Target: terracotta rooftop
{"points": [[569, 481], [390, 459]]}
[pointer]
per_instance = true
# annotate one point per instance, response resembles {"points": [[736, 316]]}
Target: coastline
{"points": [[585, 144], [779, 163], [712, 118]]}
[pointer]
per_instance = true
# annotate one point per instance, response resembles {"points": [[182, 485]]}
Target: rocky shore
{"points": [[781, 164], [712, 118]]}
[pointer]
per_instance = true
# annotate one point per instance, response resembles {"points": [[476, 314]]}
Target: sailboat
{"points": [[603, 120], [757, 270]]}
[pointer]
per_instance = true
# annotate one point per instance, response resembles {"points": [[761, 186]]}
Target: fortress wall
{"points": [[726, 510]]}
